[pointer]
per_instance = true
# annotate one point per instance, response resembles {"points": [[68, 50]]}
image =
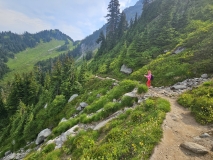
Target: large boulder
{"points": [[204, 76], [42, 135], [125, 69]]}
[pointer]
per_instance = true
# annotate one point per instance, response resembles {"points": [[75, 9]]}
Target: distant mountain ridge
{"points": [[12, 43], [89, 43], [132, 10]]}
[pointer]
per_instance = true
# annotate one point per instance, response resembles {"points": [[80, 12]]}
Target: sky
{"points": [[76, 18]]}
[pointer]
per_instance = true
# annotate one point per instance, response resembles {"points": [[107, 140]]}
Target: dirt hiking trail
{"points": [[179, 126]]}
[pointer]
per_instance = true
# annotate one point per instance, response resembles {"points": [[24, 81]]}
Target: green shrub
{"points": [[203, 110], [96, 105], [64, 126], [200, 101], [54, 155], [111, 107], [163, 105], [208, 83], [149, 104], [127, 101], [185, 100], [83, 118], [142, 88], [137, 116], [49, 148]]}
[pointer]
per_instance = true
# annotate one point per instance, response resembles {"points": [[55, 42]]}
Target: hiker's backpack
{"points": [[152, 77]]}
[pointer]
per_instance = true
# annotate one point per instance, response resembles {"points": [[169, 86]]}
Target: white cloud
{"points": [[19, 23], [76, 32], [76, 18]]}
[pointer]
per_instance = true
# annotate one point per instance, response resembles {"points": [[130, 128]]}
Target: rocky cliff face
{"points": [[132, 10]]}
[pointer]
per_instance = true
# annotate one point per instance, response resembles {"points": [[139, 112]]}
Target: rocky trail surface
{"points": [[180, 127]]}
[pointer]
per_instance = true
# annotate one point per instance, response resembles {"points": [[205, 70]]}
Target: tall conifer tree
{"points": [[113, 18]]}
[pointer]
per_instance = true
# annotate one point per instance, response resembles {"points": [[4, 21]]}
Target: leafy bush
{"points": [[185, 100], [127, 101], [200, 101], [142, 88], [137, 116], [64, 126], [163, 105], [96, 105], [149, 104], [49, 148]]}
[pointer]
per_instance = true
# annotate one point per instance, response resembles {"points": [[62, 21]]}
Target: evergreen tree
{"points": [[113, 18], [101, 39], [123, 24]]}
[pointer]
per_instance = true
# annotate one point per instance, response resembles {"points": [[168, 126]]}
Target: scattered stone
{"points": [[98, 95], [81, 106], [179, 50], [197, 138], [177, 87], [72, 97], [204, 135], [63, 120], [194, 147], [45, 106]]}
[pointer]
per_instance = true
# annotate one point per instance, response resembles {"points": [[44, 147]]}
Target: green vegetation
{"points": [[151, 42], [132, 135], [24, 61], [11, 43], [200, 102], [36, 100]]}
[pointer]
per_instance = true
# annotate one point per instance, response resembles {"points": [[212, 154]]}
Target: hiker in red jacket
{"points": [[148, 76]]}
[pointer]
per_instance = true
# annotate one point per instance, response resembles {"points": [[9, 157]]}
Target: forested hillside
{"points": [[173, 38], [164, 29], [11, 43]]}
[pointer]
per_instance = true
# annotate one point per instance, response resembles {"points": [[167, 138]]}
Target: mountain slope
{"points": [[89, 43], [172, 38], [164, 29], [11, 44]]}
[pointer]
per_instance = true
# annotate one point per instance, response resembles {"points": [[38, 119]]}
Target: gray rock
{"points": [[98, 95], [204, 76], [79, 108], [7, 153], [179, 50], [83, 104], [177, 87], [204, 135], [45, 106], [71, 131], [72, 97], [194, 147], [130, 94], [63, 120], [125, 69], [42, 135]]}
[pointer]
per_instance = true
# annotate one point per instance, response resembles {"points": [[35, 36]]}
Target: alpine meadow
{"points": [[88, 99]]}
